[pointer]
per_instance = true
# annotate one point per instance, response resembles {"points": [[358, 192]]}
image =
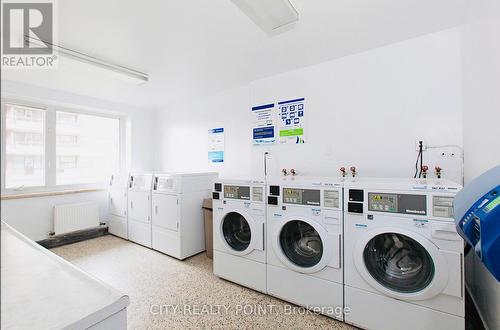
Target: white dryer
{"points": [[118, 206], [403, 256], [238, 234], [304, 239], [139, 208], [177, 219]]}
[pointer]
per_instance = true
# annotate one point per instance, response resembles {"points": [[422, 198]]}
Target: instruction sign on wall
{"points": [[263, 131], [291, 121], [216, 145]]}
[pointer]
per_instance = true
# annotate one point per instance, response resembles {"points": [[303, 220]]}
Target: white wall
{"points": [[364, 110], [481, 52], [34, 216]]}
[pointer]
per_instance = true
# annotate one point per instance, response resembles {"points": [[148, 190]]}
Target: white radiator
{"points": [[71, 217]]}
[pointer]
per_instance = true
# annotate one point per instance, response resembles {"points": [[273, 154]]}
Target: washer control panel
{"points": [[331, 198], [302, 196], [237, 192], [383, 202], [397, 203], [442, 206], [258, 194]]}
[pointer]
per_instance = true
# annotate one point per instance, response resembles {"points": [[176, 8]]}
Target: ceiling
{"points": [[195, 47]]}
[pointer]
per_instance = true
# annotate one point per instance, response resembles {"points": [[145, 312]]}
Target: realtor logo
{"points": [[28, 34]]}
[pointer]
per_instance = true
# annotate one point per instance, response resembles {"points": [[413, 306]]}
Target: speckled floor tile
{"points": [[157, 283]]}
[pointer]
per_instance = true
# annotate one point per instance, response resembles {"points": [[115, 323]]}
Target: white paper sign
{"points": [[216, 145]]}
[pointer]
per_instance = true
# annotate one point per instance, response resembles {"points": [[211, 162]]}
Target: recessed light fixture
{"points": [[272, 16], [124, 73]]}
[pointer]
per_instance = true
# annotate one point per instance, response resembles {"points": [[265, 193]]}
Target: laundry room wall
{"points": [[481, 64], [34, 216], [365, 110]]}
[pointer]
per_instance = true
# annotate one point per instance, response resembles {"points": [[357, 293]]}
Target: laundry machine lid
{"points": [[401, 264], [303, 245]]}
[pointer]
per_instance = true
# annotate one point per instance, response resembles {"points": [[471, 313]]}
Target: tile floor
{"points": [[152, 279]]}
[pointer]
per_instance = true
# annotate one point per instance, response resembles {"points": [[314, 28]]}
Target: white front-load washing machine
{"points": [[239, 217], [403, 257], [304, 239]]}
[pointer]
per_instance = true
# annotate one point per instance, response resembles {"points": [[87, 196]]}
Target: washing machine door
{"points": [[303, 245], [401, 264], [240, 233]]}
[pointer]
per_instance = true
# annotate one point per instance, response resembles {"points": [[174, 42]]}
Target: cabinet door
{"points": [[139, 206], [166, 211], [118, 202]]}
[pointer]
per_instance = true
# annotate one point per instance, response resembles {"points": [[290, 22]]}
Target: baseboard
{"points": [[73, 237]]}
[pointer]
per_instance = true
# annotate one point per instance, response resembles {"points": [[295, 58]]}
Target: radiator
{"points": [[71, 217]]}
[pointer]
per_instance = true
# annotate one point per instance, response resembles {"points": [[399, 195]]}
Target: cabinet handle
{"points": [[156, 209], [131, 205]]}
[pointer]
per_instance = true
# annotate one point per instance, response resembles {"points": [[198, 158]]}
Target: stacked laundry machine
{"points": [[162, 211], [376, 253]]}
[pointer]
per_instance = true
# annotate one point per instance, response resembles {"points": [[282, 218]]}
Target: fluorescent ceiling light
{"points": [[272, 16], [124, 73]]}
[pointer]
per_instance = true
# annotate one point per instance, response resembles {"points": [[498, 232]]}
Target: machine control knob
{"points": [[293, 172], [343, 171], [284, 171]]}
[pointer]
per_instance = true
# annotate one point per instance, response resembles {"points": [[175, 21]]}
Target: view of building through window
{"points": [[24, 146], [87, 148]]}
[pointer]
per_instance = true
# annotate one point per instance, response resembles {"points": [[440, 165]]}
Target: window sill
{"points": [[48, 193]]}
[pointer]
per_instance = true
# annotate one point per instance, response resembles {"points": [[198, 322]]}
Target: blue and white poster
{"points": [[291, 115], [216, 145], [263, 131]]}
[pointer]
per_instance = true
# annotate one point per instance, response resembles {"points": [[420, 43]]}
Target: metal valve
{"points": [[438, 171], [425, 168], [353, 171]]}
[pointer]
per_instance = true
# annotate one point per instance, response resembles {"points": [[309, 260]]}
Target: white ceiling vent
{"points": [[272, 16]]}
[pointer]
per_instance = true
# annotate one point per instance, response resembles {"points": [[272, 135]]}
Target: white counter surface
{"points": [[40, 290]]}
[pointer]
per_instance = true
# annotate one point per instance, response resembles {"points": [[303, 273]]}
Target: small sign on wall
{"points": [[216, 145], [263, 131], [291, 115]]}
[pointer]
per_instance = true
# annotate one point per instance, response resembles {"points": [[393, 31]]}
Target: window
{"points": [[87, 148], [24, 146], [48, 147]]}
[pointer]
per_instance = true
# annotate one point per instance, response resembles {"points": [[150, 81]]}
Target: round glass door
{"points": [[301, 243], [236, 231], [398, 262]]}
